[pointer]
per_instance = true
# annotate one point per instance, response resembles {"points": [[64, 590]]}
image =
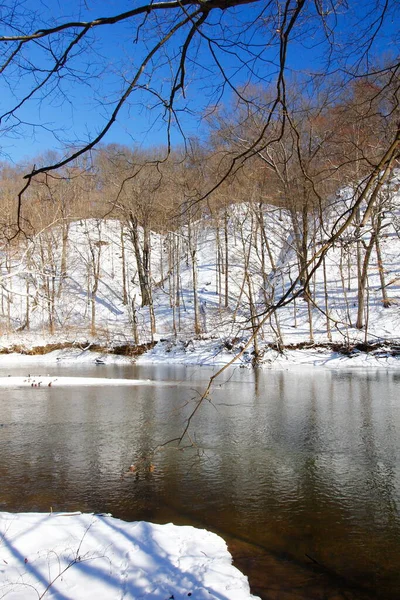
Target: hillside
{"points": [[78, 282]]}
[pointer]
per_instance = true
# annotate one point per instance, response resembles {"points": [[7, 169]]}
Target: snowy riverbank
{"points": [[84, 556], [213, 353]]}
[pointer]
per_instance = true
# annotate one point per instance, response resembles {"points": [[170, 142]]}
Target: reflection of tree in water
{"points": [[379, 460], [354, 525]]}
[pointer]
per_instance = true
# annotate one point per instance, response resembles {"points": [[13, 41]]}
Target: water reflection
{"points": [[298, 470]]}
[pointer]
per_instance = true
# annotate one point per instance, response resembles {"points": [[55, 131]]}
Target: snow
{"points": [[214, 354], [41, 381], [47, 380], [74, 556], [66, 356], [197, 352]]}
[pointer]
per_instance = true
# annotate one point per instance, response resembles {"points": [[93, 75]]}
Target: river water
{"points": [[299, 471]]}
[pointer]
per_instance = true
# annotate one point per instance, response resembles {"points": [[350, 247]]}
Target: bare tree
{"points": [[173, 34]]}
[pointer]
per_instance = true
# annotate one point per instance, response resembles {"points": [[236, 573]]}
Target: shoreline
{"points": [[209, 353]]}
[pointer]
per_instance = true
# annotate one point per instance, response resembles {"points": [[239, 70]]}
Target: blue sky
{"points": [[77, 111]]}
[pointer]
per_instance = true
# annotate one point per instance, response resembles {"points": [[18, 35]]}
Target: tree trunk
{"points": [[134, 322], [362, 282], [140, 260], [123, 274], [385, 299], [226, 232], [64, 258], [328, 321]]}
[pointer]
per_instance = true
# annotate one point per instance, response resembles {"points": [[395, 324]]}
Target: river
{"points": [[299, 471]]}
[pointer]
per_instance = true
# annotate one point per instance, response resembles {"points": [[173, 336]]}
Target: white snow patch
{"points": [[214, 353], [82, 557], [41, 381], [66, 355]]}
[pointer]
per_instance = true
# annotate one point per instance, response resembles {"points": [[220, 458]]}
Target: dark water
{"points": [[298, 471]]}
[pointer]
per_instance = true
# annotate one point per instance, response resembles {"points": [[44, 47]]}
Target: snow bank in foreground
{"points": [[82, 556]]}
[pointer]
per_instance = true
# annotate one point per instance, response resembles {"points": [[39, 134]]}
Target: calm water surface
{"points": [[298, 471]]}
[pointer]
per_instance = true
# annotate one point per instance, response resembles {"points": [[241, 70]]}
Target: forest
{"points": [[273, 222], [125, 240]]}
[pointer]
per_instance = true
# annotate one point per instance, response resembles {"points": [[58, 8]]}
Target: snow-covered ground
{"points": [[74, 556], [212, 353]]}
